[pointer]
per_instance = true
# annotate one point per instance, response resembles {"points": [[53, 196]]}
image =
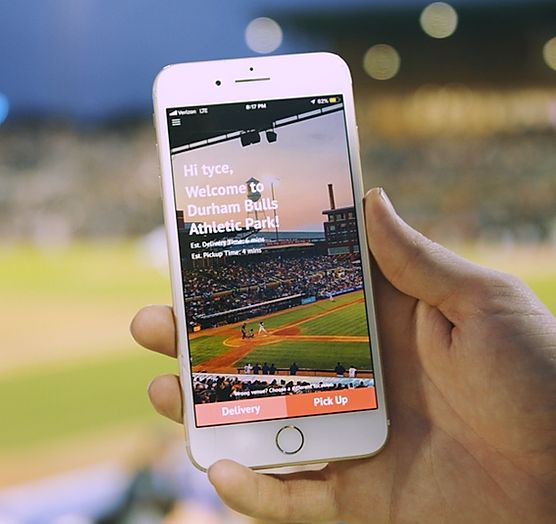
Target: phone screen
{"points": [[270, 260]]}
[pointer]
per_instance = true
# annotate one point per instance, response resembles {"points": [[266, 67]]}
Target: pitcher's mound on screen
{"points": [[316, 336]]}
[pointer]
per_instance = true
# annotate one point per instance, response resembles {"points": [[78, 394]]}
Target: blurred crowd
{"points": [[59, 183], [497, 189]]}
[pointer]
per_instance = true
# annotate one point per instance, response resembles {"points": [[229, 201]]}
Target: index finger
{"points": [[153, 327]]}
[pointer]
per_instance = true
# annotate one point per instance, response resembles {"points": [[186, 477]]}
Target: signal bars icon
{"points": [[174, 121]]}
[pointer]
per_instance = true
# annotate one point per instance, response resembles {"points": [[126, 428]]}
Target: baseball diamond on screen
{"points": [[270, 258]]}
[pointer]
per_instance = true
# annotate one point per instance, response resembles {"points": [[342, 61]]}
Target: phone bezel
{"points": [[327, 437]]}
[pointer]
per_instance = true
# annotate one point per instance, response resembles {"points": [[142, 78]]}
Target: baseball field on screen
{"points": [[315, 336]]}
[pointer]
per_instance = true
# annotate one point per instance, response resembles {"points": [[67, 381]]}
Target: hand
{"points": [[470, 371]]}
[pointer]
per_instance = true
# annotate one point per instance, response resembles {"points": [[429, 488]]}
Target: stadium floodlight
{"points": [[271, 136], [250, 137]]}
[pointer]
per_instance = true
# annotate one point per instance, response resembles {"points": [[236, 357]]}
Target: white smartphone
{"points": [[276, 332]]}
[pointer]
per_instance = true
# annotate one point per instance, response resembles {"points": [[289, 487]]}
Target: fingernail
{"points": [[385, 197], [370, 192], [149, 387]]}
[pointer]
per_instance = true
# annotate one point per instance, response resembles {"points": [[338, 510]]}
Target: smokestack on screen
{"points": [[331, 196]]}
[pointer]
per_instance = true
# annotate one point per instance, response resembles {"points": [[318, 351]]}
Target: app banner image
{"points": [[273, 287]]}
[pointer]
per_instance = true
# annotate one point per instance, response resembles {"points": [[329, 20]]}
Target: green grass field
{"points": [[347, 321], [311, 354], [79, 395], [59, 400], [91, 271], [206, 347], [350, 320], [291, 316], [79, 390]]}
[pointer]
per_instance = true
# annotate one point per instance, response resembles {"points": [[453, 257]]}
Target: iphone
{"points": [[272, 293]]}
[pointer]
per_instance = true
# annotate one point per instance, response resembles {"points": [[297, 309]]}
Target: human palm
{"points": [[468, 430], [469, 363]]}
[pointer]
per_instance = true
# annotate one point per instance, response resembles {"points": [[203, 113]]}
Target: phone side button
{"points": [[289, 440]]}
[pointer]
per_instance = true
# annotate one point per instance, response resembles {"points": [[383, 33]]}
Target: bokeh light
{"points": [[381, 62], [263, 35], [439, 20], [4, 107], [549, 53]]}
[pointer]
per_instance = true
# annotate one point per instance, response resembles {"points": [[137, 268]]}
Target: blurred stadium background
{"points": [[457, 118]]}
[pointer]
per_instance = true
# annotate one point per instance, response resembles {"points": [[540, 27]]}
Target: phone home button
{"points": [[289, 440]]}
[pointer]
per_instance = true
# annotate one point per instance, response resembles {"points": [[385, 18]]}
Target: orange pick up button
{"points": [[331, 402]]}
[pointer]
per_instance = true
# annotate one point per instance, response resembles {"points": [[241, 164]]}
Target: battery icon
{"points": [[333, 99]]}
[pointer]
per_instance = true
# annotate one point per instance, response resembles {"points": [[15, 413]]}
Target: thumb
{"points": [[300, 497], [414, 264]]}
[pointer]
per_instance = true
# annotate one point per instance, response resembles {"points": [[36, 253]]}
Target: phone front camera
{"points": [[218, 83], [250, 69]]}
